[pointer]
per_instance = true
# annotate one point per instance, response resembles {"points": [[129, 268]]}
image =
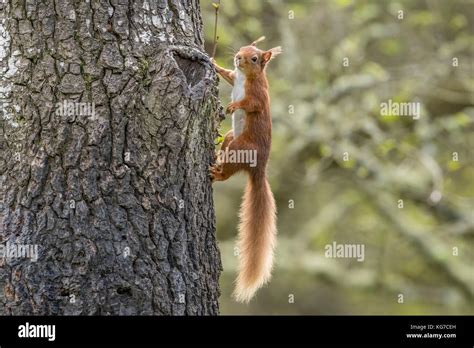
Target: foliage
{"points": [[346, 167]]}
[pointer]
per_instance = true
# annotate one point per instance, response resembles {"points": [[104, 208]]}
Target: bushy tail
{"points": [[257, 238]]}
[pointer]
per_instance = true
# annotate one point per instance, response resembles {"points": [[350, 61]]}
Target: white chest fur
{"points": [[238, 93]]}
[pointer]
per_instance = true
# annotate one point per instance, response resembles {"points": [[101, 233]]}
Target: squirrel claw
{"points": [[214, 171], [230, 108], [214, 64]]}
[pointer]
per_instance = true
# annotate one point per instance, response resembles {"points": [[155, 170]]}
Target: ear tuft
{"points": [[260, 39], [276, 51]]}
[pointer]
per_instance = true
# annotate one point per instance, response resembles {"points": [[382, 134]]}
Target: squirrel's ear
{"points": [[270, 54], [266, 56]]}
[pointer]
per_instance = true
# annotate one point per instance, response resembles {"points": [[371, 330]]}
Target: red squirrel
{"points": [[251, 133]]}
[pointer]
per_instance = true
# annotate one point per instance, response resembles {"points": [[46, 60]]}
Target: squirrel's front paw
{"points": [[216, 66], [215, 171], [231, 108]]}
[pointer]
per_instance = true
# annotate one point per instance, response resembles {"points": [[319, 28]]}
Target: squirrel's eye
{"points": [[254, 59]]}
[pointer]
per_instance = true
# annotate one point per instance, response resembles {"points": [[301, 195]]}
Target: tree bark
{"points": [[118, 200]]}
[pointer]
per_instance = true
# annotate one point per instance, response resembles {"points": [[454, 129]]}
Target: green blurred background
{"points": [[323, 110]]}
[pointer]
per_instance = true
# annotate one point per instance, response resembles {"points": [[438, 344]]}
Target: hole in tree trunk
{"points": [[124, 291], [192, 69]]}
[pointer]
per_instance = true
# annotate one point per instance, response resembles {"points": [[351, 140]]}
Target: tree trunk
{"points": [[108, 119]]}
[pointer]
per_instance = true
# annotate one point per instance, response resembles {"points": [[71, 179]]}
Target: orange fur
{"points": [[257, 229], [257, 238]]}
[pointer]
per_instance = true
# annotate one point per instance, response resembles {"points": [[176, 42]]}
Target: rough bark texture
{"points": [[119, 203]]}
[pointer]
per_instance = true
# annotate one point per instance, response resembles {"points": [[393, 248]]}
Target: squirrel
{"points": [[252, 128]]}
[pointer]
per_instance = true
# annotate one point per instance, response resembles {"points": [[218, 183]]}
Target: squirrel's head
{"points": [[252, 60]]}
